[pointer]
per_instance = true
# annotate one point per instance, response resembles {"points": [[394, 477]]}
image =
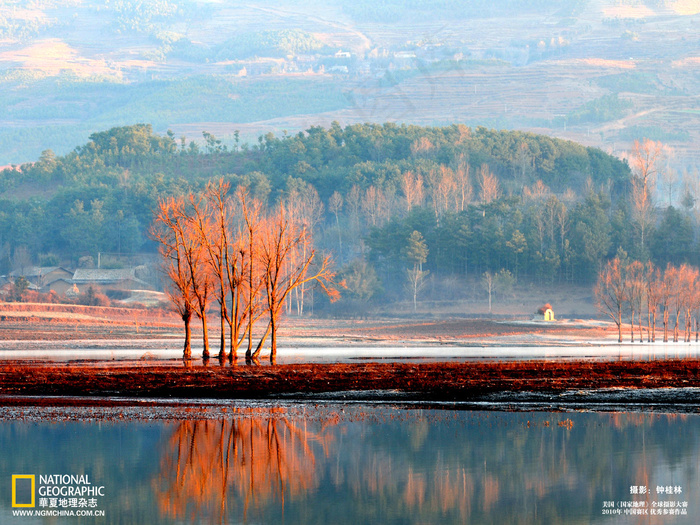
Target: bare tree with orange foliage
{"points": [[412, 187], [611, 292], [669, 285], [202, 282], [636, 289], [676, 283], [375, 206], [688, 290], [632, 285], [654, 284], [283, 272], [490, 189], [175, 228], [645, 161], [225, 247], [464, 185], [335, 205], [252, 224], [210, 219], [169, 229], [304, 207]]}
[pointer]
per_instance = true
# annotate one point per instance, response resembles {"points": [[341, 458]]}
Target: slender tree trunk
{"points": [[302, 288], [222, 342], [205, 336], [415, 289], [187, 351], [675, 328], [273, 339], [641, 332], [665, 325], [632, 328], [232, 356], [258, 348], [653, 326], [250, 294], [234, 328], [619, 325], [340, 238]]}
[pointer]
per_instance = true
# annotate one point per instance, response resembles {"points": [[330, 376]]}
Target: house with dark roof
{"points": [[108, 279], [42, 276], [60, 286]]}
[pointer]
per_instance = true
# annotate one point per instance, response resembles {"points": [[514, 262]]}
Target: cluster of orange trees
{"points": [[637, 290], [244, 256]]}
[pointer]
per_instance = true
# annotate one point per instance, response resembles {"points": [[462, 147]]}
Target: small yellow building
{"points": [[545, 313]]}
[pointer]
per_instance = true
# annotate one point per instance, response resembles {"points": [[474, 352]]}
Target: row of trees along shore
{"points": [[246, 257], [638, 290]]}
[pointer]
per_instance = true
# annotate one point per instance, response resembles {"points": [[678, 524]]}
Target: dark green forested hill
{"points": [[524, 205]]}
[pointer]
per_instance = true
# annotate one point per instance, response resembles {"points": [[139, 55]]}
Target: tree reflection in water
{"points": [[210, 467], [354, 465]]}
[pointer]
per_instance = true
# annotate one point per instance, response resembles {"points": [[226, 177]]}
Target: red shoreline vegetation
{"points": [[429, 381]]}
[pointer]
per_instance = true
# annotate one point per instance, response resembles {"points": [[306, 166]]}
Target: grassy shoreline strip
{"points": [[429, 381]]}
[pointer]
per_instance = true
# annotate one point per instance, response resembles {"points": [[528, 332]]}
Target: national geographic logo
{"points": [[23, 490]]}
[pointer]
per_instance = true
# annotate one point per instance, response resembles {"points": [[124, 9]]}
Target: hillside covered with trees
{"points": [[397, 206]]}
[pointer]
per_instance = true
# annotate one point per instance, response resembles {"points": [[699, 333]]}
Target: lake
{"points": [[130, 351], [328, 462]]}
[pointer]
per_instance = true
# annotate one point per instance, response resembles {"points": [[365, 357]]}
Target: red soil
{"points": [[445, 381]]}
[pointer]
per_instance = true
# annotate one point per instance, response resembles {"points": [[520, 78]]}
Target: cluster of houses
{"points": [[65, 282]]}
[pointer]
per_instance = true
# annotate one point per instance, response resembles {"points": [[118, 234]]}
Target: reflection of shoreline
{"points": [[448, 381]]}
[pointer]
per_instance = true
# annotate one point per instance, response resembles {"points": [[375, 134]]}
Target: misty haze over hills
{"points": [[600, 72]]}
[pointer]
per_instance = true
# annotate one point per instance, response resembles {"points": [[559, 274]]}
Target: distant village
{"points": [[376, 62], [131, 285]]}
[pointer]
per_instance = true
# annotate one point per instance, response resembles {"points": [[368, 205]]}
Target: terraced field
{"points": [[523, 69]]}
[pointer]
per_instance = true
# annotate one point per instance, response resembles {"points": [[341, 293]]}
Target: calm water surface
{"points": [[353, 463], [116, 351]]}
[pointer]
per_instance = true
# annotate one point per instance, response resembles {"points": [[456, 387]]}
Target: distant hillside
{"points": [[599, 72], [100, 196], [473, 203]]}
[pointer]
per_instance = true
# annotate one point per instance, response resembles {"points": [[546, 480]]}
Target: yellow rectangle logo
{"points": [[23, 503]]}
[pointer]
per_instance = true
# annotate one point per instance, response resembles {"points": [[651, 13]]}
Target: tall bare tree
{"points": [[636, 290], [417, 254], [668, 287], [654, 284], [689, 296], [611, 292], [488, 183], [464, 184], [202, 282], [335, 205], [412, 187], [675, 284], [281, 237], [252, 223], [212, 223], [375, 206], [169, 230], [304, 207], [645, 161]]}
